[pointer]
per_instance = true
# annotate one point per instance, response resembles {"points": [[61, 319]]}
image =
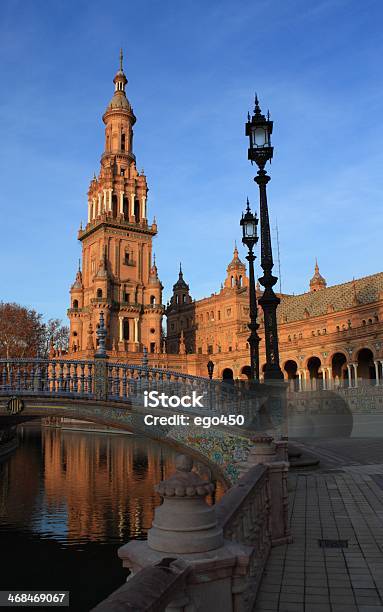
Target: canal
{"points": [[68, 500]]}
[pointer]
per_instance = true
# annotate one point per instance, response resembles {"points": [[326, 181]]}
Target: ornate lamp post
{"points": [[259, 129], [249, 224], [210, 368]]}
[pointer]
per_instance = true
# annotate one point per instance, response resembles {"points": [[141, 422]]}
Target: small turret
{"points": [[180, 291], [317, 282], [236, 272]]}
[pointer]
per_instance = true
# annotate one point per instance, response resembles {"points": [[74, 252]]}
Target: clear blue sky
{"points": [[193, 67]]}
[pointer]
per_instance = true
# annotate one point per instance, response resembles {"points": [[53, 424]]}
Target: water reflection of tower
{"points": [[106, 482]]}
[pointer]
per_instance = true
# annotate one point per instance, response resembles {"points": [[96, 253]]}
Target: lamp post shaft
{"points": [[268, 301], [253, 325]]}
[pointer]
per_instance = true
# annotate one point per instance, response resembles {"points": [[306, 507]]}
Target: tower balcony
{"points": [[107, 219], [119, 153]]}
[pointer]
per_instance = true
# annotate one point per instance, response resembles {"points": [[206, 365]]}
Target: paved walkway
{"points": [[334, 503]]}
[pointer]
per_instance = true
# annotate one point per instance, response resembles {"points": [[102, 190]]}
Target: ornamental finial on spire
{"points": [[121, 58]]}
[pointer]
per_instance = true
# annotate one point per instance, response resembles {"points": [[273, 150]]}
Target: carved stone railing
{"points": [[150, 590], [244, 513], [55, 377], [228, 573]]}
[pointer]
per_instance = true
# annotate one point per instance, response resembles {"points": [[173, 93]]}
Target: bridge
{"points": [[217, 431]]}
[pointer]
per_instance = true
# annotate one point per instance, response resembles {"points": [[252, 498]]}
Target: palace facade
{"points": [[329, 333]]}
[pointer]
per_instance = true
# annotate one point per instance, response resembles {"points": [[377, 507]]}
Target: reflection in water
{"points": [[68, 500]]}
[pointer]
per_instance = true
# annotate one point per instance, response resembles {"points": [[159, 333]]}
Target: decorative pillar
{"points": [[330, 381], [89, 211], [349, 375], [121, 202], [304, 379], [132, 205], [94, 209], [136, 329], [299, 380], [376, 364], [355, 366], [144, 207], [104, 201], [121, 327], [110, 200], [99, 204], [324, 378]]}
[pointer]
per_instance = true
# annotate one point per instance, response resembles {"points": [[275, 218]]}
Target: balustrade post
{"points": [[101, 363], [262, 450], [186, 527], [279, 502]]}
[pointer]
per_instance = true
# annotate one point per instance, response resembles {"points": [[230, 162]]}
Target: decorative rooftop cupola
{"points": [[119, 117], [180, 291], [236, 272], [77, 290], [153, 274], [317, 282]]}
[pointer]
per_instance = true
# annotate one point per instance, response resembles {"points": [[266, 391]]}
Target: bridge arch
{"points": [[112, 415]]}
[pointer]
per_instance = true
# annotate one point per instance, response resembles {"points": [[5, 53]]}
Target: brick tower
{"points": [[117, 275]]}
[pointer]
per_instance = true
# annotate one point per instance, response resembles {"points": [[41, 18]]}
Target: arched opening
{"points": [[183, 298], [153, 300], [240, 281], [114, 205], [136, 211], [125, 329], [313, 366], [75, 303], [366, 367], [246, 372], [339, 368], [99, 293], [123, 138], [125, 207], [291, 369], [227, 375]]}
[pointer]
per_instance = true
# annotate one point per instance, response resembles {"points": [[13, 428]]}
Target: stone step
{"points": [[304, 461]]}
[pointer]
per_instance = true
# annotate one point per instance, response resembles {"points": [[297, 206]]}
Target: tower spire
{"points": [[121, 58]]}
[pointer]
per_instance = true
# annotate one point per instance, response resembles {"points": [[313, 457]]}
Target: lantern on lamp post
{"points": [[249, 224]]}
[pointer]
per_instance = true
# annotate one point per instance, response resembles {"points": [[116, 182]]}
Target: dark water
{"points": [[68, 500]]}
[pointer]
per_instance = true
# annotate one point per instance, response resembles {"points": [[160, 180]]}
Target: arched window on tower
{"points": [[125, 329], [183, 298], [125, 207], [114, 205], [240, 281], [123, 137], [153, 300], [99, 293], [136, 211], [75, 303]]}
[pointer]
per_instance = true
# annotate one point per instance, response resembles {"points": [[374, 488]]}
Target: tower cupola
{"points": [[236, 272], [317, 282]]}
